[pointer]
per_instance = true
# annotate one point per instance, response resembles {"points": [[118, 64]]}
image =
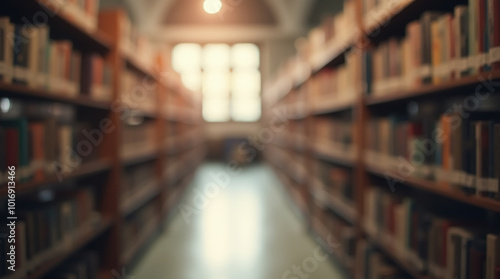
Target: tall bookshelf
{"points": [[324, 154], [135, 184]]}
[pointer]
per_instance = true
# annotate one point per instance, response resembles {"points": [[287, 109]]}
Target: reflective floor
{"points": [[242, 228]]}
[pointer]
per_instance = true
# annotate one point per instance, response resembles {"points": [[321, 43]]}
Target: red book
{"points": [[37, 148], [12, 147]]}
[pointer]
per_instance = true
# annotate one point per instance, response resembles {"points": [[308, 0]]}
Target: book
{"points": [[494, 33], [6, 49], [492, 255], [18, 143], [20, 53], [426, 47]]}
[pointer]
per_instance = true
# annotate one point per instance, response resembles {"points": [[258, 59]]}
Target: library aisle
{"points": [[246, 230]]}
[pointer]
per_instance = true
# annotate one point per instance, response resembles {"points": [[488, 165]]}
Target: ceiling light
{"points": [[212, 6]]}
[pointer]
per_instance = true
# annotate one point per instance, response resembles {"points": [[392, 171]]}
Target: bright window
{"points": [[228, 77]]}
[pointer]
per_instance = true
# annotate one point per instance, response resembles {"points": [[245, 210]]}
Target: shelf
{"points": [[25, 92], [332, 105], [181, 115], [382, 18], [133, 63], [440, 188], [393, 255], [83, 237], [333, 55], [137, 199], [336, 204], [334, 153], [148, 230], [134, 159], [449, 88], [85, 169], [391, 20], [61, 25], [319, 233]]}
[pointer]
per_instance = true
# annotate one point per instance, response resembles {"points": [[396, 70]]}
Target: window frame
{"points": [[230, 44]]}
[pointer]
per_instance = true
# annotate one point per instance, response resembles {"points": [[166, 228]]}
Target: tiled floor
{"points": [[245, 230]]}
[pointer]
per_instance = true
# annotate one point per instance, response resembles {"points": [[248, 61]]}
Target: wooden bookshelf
{"points": [[440, 188], [387, 248], [140, 197], [62, 25], [332, 106], [147, 232], [374, 28], [24, 92], [86, 169], [172, 104], [335, 154], [81, 239], [448, 88]]}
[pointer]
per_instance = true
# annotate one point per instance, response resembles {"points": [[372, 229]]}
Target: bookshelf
{"points": [[354, 132], [142, 153]]}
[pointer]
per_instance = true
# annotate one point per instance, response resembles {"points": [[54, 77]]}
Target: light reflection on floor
{"points": [[245, 231]]}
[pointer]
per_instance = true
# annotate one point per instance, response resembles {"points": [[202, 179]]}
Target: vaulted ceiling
{"points": [[248, 20]]}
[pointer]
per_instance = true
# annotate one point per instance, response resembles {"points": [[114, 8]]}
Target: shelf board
{"points": [[140, 158], [80, 242], [139, 198], [330, 153], [440, 188], [345, 210], [62, 26], [25, 92], [332, 105], [391, 253], [432, 89], [319, 231], [383, 18], [133, 63], [85, 169], [333, 55], [148, 230]]}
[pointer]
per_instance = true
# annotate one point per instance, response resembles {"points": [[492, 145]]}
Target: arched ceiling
{"points": [[190, 12], [240, 20]]}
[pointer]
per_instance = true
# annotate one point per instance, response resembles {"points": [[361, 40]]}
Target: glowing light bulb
{"points": [[212, 6]]}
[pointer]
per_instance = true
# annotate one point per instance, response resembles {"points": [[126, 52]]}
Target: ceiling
{"points": [[239, 20]]}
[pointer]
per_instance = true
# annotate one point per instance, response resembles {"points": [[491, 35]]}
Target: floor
{"points": [[242, 227]]}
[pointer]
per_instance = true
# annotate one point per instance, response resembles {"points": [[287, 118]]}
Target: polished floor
{"points": [[242, 228]]}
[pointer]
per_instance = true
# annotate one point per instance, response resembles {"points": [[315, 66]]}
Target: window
{"points": [[227, 76]]}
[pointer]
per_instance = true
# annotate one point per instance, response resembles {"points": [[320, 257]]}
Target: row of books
{"points": [[372, 263], [136, 178], [137, 92], [334, 30], [138, 139], [81, 12], [339, 84], [439, 47], [461, 151], [37, 61], [334, 130], [134, 43], [336, 181], [85, 265], [339, 235], [45, 228], [447, 245], [316, 49], [40, 143], [137, 224]]}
